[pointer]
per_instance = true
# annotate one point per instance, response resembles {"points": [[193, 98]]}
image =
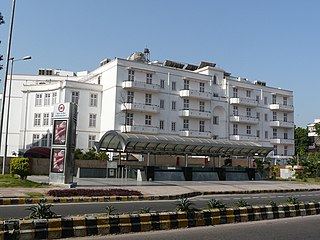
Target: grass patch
{"points": [[8, 181], [34, 195]]}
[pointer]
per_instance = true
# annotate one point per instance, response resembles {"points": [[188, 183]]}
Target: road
{"points": [[19, 211], [281, 229]]}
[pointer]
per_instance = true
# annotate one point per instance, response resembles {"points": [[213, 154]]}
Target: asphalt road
{"points": [[19, 211]]}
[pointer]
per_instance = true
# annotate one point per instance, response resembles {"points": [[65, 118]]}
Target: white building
{"points": [[138, 96]]}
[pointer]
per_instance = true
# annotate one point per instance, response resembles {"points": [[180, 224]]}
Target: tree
{"points": [[301, 140]]}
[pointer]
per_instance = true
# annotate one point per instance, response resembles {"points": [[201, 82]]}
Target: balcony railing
{"points": [[141, 86], [240, 137], [282, 141], [140, 107], [139, 129], [244, 119], [282, 124], [195, 94], [193, 113], [281, 107], [194, 133], [243, 101]]}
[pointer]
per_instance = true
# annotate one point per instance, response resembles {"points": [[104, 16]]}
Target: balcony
{"points": [[281, 124], [140, 107], [244, 119], [244, 101], [195, 94], [281, 107], [282, 141], [243, 138], [192, 113], [135, 85], [194, 133], [139, 129]]}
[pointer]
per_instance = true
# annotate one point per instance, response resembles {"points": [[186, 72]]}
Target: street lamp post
{"points": [[8, 110]]}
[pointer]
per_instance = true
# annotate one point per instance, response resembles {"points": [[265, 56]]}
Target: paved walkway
{"points": [[162, 187]]}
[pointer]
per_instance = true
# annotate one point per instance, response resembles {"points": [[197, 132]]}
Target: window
{"points": [[92, 120], [174, 86], [35, 140], [214, 79], [265, 101], [235, 111], [258, 98], [37, 119], [285, 150], [51, 122], [275, 150], [75, 97], [38, 101], [285, 117], [173, 105], [235, 92], [186, 84], [258, 133], [274, 99], [161, 124], [201, 87], [285, 101], [258, 115], [148, 99], [162, 83], [201, 126], [274, 133], [91, 140], [235, 129], [201, 106], [161, 103], [130, 97], [215, 120], [248, 94], [248, 130], [285, 135], [44, 140], [248, 110], [93, 100], [274, 116], [185, 124], [129, 119], [147, 120], [266, 134], [266, 117], [185, 104], [45, 119], [54, 98], [46, 101], [130, 75], [173, 126], [149, 78]]}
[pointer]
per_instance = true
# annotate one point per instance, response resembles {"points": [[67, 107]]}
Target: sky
{"points": [[276, 41]]}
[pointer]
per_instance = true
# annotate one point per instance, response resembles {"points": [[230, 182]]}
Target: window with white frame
{"points": [[130, 97], [161, 124], [149, 78], [201, 126], [37, 119], [129, 119], [173, 126], [44, 140], [215, 120], [147, 120], [248, 94], [274, 99], [201, 87], [235, 111], [274, 133], [214, 79], [265, 100], [258, 115], [266, 117], [186, 84], [235, 92], [46, 101], [51, 122], [92, 120], [173, 105], [275, 149], [274, 116], [91, 140], [46, 117], [130, 75], [162, 82], [185, 104], [285, 150], [161, 103], [148, 99], [185, 124], [258, 98], [285, 135], [35, 140], [54, 98], [75, 97], [174, 86], [285, 101], [258, 133], [93, 100], [38, 100], [248, 110], [235, 129], [201, 106], [285, 117], [248, 130], [266, 134]]}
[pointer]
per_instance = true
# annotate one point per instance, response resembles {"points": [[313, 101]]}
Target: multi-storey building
{"points": [[135, 95]]}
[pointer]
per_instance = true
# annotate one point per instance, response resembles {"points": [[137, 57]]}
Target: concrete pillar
{"points": [[186, 160], [148, 159]]}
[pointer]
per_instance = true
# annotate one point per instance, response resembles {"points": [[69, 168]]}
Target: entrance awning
{"points": [[114, 141]]}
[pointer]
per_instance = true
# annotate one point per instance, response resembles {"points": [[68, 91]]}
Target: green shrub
{"points": [[242, 203], [293, 200], [185, 205], [214, 203], [41, 211], [20, 166], [145, 210], [110, 209]]}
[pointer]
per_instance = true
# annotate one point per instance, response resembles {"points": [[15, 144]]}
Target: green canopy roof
{"points": [[114, 141]]}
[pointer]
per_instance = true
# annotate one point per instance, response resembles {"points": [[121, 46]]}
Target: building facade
{"points": [[136, 95]]}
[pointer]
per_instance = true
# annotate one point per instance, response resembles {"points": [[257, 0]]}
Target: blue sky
{"points": [[273, 41]]}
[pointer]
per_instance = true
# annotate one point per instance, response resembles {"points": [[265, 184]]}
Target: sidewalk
{"points": [[164, 188]]}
